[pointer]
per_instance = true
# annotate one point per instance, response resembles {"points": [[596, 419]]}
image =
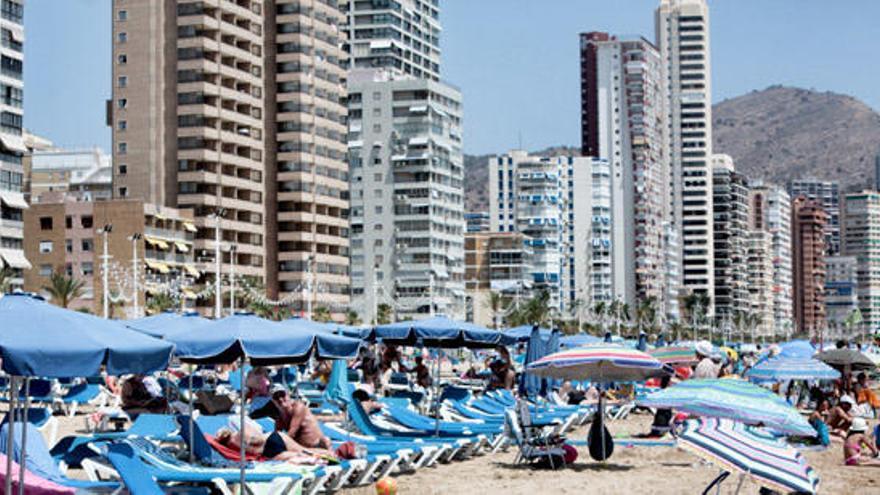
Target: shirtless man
{"points": [[839, 418], [300, 424]]}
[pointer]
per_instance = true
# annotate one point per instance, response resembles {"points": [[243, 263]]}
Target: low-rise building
{"points": [[65, 235], [496, 262]]}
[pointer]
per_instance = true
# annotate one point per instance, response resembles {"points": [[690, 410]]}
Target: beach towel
{"points": [[33, 484]]}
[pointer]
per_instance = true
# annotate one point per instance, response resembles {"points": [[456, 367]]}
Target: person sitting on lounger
{"points": [[140, 396], [858, 438], [370, 406], [276, 445], [423, 374], [296, 419]]}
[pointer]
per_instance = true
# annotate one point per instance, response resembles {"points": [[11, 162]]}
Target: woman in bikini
{"points": [[856, 439]]}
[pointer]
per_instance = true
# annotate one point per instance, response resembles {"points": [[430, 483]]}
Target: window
{"points": [[68, 246], [122, 125], [377, 193], [68, 222], [378, 210], [123, 192], [45, 223], [122, 59], [377, 127], [86, 221], [377, 112], [122, 81], [377, 243], [87, 268], [378, 226], [122, 15], [377, 95], [122, 103], [68, 270], [122, 37], [86, 245], [122, 148], [377, 177], [45, 247], [123, 169], [45, 270]]}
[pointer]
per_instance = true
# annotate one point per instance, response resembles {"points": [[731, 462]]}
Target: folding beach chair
{"points": [[532, 448]]}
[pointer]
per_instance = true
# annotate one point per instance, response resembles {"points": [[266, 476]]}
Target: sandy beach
{"points": [[643, 470]]}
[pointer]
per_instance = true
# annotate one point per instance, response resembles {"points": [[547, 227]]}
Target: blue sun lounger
{"points": [[137, 478], [156, 427]]}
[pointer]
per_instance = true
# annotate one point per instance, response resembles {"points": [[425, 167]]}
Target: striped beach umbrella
{"points": [[783, 368], [674, 355], [600, 363], [735, 447], [733, 399]]}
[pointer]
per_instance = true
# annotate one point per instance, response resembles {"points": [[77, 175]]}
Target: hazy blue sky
{"points": [[515, 60]]}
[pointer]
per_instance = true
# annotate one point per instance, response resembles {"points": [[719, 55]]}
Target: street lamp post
{"points": [[134, 238], [232, 250], [218, 294], [105, 267]]}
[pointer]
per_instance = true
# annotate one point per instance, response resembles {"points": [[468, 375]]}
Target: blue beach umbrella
{"points": [[797, 349], [40, 339], [530, 383], [523, 333], [166, 323], [439, 331], [578, 340], [733, 399], [782, 368]]}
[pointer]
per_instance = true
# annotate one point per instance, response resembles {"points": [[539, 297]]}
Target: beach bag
{"points": [[212, 403], [599, 440]]}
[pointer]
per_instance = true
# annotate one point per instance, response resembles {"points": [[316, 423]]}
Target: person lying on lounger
{"points": [[370, 406]]}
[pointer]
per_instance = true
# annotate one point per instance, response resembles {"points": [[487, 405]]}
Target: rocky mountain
{"points": [[783, 132], [774, 134]]}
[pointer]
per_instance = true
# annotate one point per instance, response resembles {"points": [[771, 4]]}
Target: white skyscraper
{"points": [[12, 148], [682, 29], [563, 204], [770, 211], [623, 112]]}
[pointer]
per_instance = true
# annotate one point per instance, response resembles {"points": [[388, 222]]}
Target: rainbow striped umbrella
{"points": [[674, 355], [733, 446], [783, 368], [733, 399], [600, 363]]}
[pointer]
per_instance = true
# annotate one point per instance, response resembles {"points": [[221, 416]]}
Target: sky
{"points": [[515, 61]]}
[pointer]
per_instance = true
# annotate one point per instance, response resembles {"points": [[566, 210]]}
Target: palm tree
{"points": [[160, 302], [383, 314], [600, 310], [63, 289], [646, 315], [496, 303], [535, 311], [695, 305], [352, 319], [6, 276], [321, 314]]}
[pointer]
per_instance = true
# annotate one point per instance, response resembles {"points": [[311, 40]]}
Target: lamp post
{"points": [[134, 238], [309, 283], [232, 250], [218, 294], [105, 267]]}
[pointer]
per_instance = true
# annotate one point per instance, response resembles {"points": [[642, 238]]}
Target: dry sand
{"points": [[637, 470]]}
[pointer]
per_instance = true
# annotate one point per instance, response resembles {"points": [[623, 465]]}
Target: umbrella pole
{"points": [[602, 419], [24, 425], [437, 398], [10, 434], [192, 454], [739, 484], [243, 488]]}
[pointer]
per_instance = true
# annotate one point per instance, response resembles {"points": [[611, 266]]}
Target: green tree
{"points": [[63, 290], [695, 306], [160, 302], [600, 311], [383, 314], [535, 311], [646, 315], [321, 314], [496, 303], [352, 318]]}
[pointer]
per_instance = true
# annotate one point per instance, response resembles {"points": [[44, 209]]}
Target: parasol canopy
{"points": [[856, 360], [733, 446], [783, 368], [733, 399], [601, 363]]}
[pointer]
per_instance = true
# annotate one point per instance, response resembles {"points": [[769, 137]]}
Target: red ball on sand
{"points": [[386, 486]]}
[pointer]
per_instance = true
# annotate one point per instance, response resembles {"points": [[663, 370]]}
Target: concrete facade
{"points": [[841, 289], [63, 234], [235, 108], [860, 237], [496, 262], [682, 29], [407, 195], [12, 148], [770, 211], [730, 203], [808, 264], [828, 195]]}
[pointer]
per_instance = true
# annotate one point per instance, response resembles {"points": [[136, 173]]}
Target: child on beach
{"points": [[857, 439]]}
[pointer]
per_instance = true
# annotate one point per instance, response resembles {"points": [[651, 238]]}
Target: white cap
{"points": [[858, 425], [704, 348], [847, 400]]}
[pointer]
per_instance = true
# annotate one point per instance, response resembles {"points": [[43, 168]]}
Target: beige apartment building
{"points": [[64, 234], [233, 109]]}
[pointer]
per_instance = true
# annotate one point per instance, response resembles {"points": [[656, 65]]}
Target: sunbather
{"points": [[258, 383], [139, 395], [423, 374], [300, 424], [367, 402], [839, 417], [275, 445]]}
